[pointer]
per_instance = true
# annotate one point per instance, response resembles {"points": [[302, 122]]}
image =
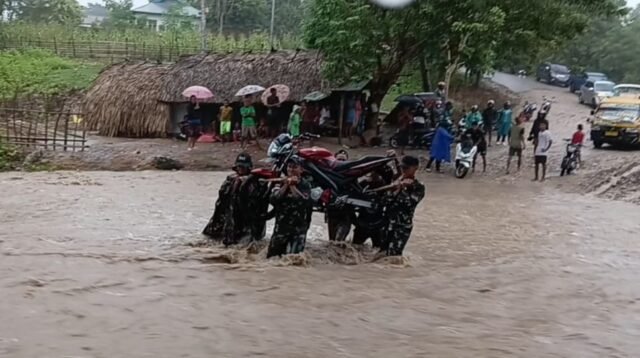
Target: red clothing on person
{"points": [[578, 138]]}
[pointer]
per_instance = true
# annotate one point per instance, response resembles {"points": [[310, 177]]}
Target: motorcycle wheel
{"points": [[461, 171], [562, 172]]}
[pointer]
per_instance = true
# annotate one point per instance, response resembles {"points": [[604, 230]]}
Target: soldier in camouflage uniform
{"points": [[371, 221], [401, 203], [293, 207], [228, 224]]}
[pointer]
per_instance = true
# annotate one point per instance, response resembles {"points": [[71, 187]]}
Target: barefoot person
{"points": [[542, 149], [516, 141], [194, 122], [293, 206], [401, 204], [249, 130]]}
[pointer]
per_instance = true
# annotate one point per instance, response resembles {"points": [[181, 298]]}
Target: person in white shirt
{"points": [[542, 149], [325, 115]]}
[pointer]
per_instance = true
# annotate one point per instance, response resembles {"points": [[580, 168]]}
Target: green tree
{"points": [[66, 12], [120, 15]]}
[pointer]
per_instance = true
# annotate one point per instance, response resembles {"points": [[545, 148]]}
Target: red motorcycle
{"points": [[340, 195]]}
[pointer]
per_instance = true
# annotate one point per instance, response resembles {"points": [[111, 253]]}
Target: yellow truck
{"points": [[616, 122]]}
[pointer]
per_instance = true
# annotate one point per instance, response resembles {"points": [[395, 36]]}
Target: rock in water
{"points": [[165, 163]]}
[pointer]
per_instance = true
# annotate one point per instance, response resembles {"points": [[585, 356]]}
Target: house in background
{"points": [[156, 13], [94, 14]]}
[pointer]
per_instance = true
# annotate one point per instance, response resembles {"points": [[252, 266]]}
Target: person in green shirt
{"points": [[294, 121], [248, 114]]}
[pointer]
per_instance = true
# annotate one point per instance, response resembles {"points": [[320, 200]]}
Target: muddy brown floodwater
{"points": [[107, 264]]}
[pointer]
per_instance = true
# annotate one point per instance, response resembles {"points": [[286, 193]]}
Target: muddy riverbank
{"points": [[103, 264]]}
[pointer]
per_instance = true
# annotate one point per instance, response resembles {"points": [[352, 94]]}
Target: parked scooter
{"points": [[571, 159], [418, 139], [529, 110], [465, 154]]}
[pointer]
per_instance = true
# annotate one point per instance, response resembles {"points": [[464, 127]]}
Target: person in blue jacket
{"points": [[441, 147]]}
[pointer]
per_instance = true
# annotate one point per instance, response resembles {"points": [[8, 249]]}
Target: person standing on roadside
{"points": [[535, 130], [541, 152], [441, 147], [505, 119], [516, 141], [249, 131], [225, 115], [194, 122], [273, 113], [294, 122], [489, 118], [578, 140], [441, 92]]}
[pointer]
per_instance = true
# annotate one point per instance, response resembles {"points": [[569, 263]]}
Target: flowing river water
{"points": [[104, 264]]}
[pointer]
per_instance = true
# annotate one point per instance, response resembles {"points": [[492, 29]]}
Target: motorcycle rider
{"points": [[473, 117], [401, 204], [477, 135], [489, 116], [293, 207]]}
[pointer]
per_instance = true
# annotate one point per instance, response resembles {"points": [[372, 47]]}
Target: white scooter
{"points": [[465, 153]]}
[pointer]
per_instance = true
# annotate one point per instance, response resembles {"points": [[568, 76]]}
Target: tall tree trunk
{"points": [[424, 74], [221, 10], [476, 82]]}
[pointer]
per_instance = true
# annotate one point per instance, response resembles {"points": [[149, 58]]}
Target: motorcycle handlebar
{"points": [[310, 135]]}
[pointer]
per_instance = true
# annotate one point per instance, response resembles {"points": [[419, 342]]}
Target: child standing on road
{"points": [[578, 141]]}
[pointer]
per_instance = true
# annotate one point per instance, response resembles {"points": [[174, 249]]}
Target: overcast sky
{"points": [[632, 3]]}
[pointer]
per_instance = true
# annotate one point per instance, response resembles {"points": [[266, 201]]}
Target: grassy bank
{"points": [[40, 72]]}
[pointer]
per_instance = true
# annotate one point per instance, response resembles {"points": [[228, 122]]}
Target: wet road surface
{"points": [[99, 265]]}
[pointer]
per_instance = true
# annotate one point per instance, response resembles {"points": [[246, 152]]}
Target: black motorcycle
{"points": [[571, 159]]}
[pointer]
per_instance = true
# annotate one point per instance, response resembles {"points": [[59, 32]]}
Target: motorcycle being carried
{"points": [[338, 188]]}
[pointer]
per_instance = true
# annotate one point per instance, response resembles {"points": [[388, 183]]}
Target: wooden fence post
{"points": [[55, 45], [73, 46]]}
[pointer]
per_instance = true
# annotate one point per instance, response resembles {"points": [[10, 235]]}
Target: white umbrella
{"points": [[251, 89]]}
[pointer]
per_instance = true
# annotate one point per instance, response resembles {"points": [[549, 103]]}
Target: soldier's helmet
{"points": [[243, 160]]}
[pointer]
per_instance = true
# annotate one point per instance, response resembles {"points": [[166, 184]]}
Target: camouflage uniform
{"points": [[400, 210], [222, 225], [293, 217], [371, 222]]}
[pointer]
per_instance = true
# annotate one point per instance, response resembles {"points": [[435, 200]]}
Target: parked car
{"points": [[616, 121], [577, 80], [626, 90], [553, 74], [593, 93]]}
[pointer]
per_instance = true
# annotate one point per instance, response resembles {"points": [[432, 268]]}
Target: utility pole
{"points": [[273, 17], [203, 25]]}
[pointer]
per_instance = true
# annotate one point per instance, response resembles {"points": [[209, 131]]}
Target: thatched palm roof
{"points": [[132, 99], [123, 101], [226, 74]]}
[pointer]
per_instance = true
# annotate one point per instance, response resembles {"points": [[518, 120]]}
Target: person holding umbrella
{"points": [[193, 122]]}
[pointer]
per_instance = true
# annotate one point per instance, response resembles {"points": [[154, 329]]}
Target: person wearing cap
{"points": [[401, 202], [293, 207], [505, 119], [489, 116], [236, 197]]}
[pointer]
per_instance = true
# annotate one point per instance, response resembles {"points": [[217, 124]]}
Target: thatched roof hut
{"points": [[226, 74], [141, 100], [123, 101]]}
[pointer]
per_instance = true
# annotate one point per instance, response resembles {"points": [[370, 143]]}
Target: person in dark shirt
{"points": [[293, 207], [401, 203], [273, 120], [489, 116], [194, 122], [477, 135]]}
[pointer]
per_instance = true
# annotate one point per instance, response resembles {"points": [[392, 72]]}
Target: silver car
{"points": [[593, 92]]}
